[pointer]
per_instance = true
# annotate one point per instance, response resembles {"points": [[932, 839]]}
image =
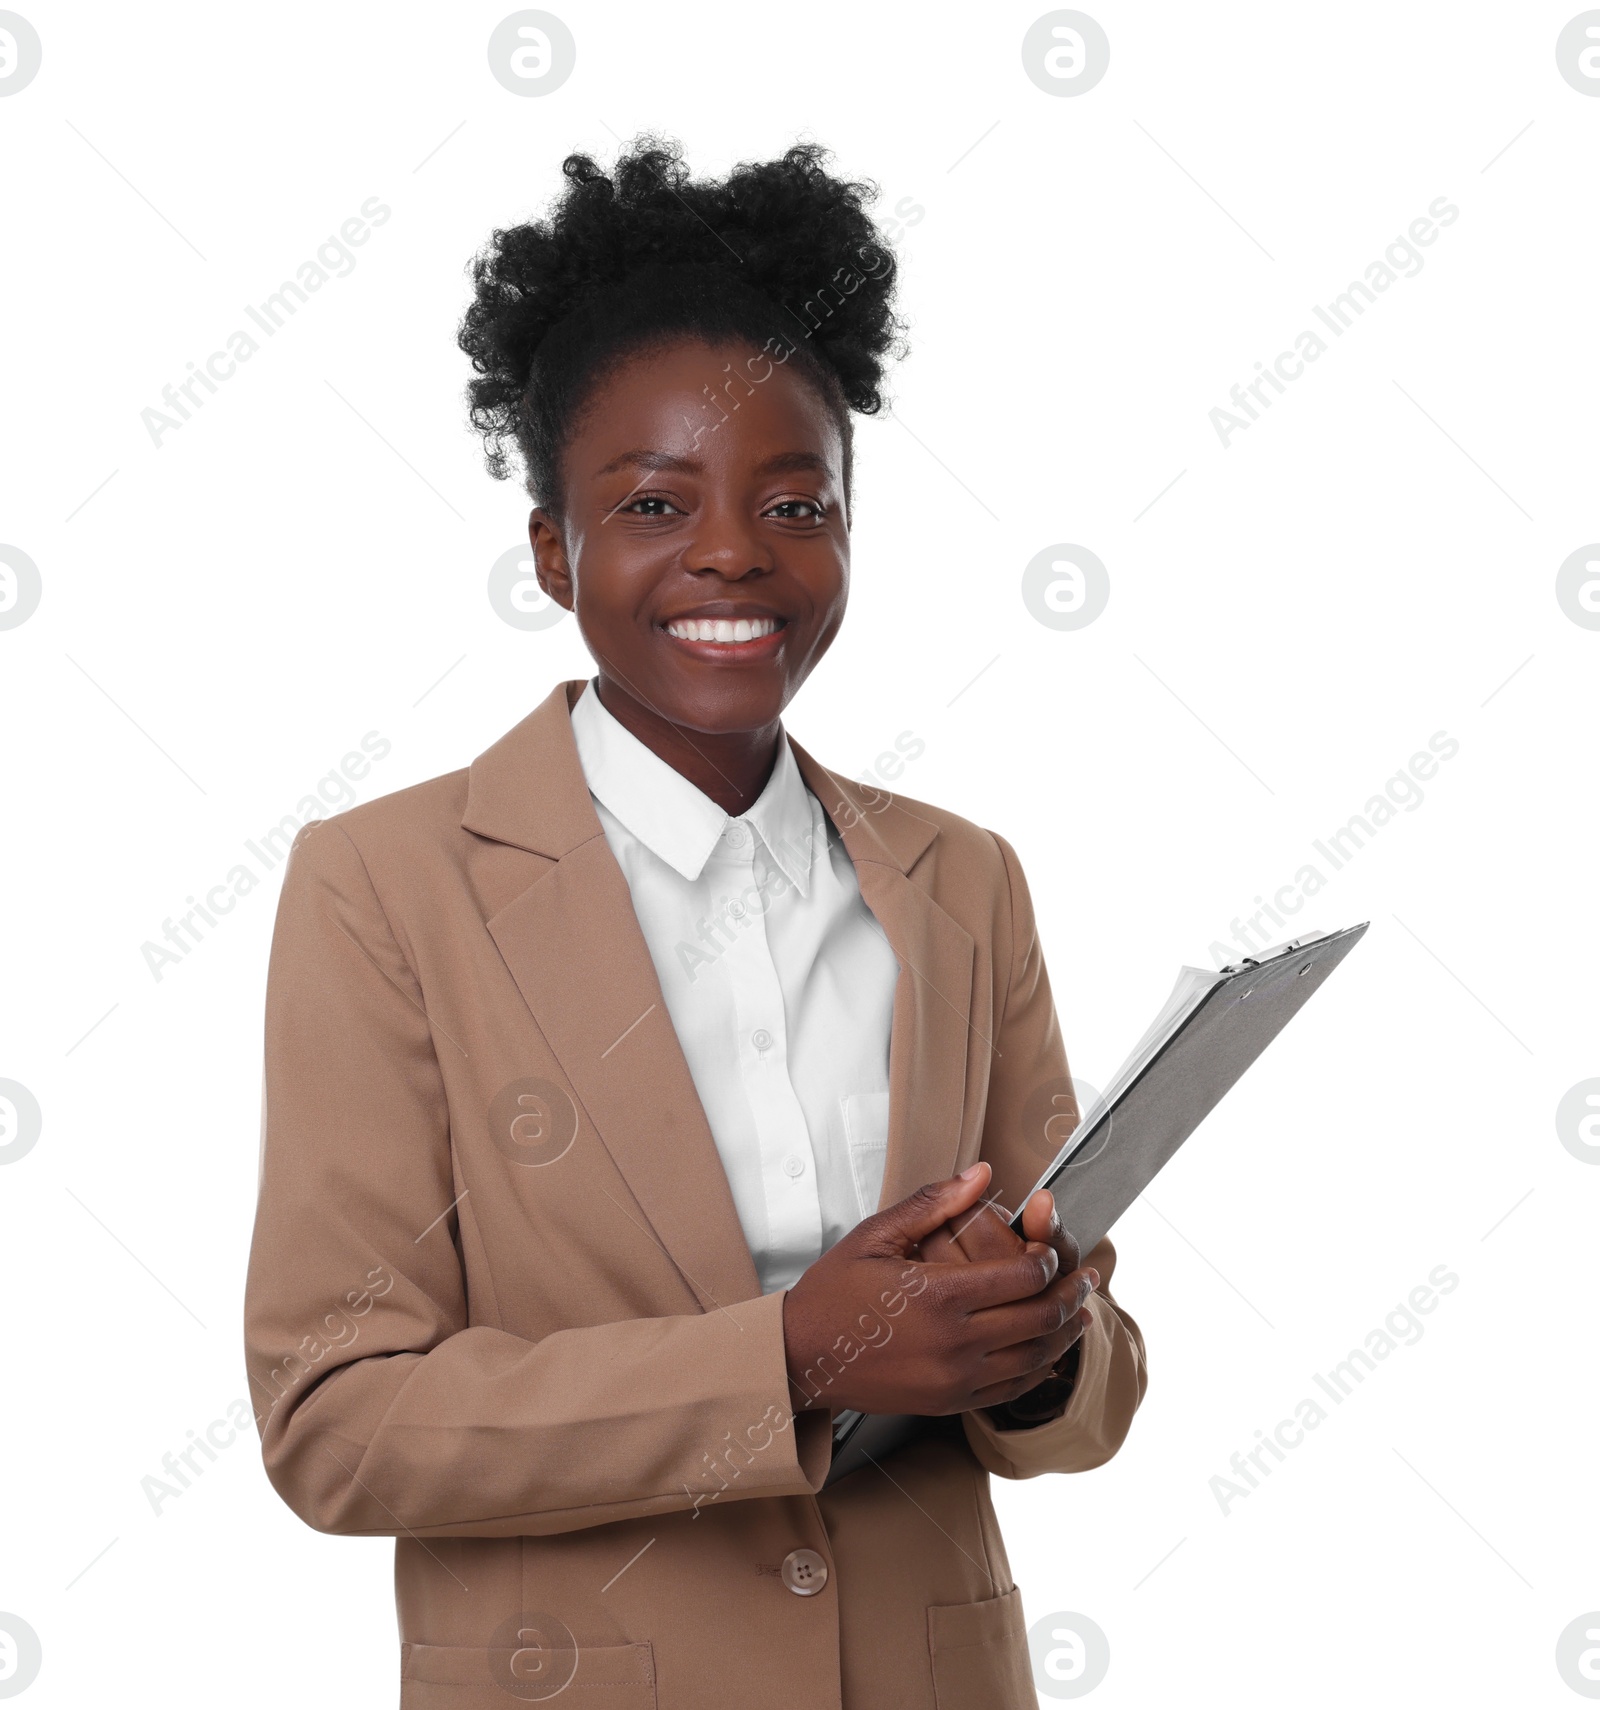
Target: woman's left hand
{"points": [[985, 1233]]}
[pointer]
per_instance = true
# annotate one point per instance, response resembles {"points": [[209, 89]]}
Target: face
{"points": [[704, 545]]}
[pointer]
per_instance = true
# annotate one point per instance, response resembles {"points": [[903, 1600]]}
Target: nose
{"points": [[728, 544]]}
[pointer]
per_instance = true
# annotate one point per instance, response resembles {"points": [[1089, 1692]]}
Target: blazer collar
{"points": [[572, 944], [528, 788], [677, 822], [874, 826], [553, 818]]}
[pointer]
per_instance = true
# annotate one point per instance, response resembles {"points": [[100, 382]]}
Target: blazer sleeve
{"points": [[1030, 1065], [381, 1408]]}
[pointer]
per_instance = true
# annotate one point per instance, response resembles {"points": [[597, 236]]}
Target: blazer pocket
{"points": [[979, 1653], [471, 1677], [866, 1133]]}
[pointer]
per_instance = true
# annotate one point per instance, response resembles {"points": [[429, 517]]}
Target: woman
{"points": [[638, 1098]]}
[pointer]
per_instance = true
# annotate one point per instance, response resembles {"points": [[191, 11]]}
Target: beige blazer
{"points": [[500, 1306]]}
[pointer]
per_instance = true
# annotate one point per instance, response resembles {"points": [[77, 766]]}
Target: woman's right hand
{"points": [[872, 1327]]}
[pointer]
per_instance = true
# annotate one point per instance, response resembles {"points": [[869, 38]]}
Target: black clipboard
{"points": [[1119, 1148]]}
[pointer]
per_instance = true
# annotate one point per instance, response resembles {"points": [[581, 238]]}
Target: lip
{"points": [[732, 609], [750, 652]]}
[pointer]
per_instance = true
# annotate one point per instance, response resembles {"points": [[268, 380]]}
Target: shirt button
{"points": [[794, 1166], [804, 1572], [761, 1039], [735, 834], [736, 910]]}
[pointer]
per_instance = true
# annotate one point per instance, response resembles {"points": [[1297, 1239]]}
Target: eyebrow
{"points": [[663, 462]]}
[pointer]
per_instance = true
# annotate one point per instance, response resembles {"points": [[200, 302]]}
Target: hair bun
{"points": [[646, 250]]}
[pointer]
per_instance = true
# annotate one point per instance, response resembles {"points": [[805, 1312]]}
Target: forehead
{"points": [[716, 405]]}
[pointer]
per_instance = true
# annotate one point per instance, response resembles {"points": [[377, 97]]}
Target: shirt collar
{"points": [[678, 823]]}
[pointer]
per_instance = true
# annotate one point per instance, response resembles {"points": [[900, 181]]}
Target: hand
{"points": [[984, 1233], [876, 1325]]}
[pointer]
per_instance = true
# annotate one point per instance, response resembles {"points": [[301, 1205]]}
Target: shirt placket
{"points": [[788, 1167]]}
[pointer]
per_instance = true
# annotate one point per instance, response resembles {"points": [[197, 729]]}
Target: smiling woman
{"points": [[667, 1072], [657, 342], [707, 580]]}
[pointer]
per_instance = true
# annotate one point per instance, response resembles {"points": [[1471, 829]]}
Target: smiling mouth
{"points": [[723, 632]]}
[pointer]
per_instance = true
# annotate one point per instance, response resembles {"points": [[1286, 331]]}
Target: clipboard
{"points": [[1207, 1034]]}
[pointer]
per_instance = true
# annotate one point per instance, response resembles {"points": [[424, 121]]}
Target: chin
{"points": [[725, 708]]}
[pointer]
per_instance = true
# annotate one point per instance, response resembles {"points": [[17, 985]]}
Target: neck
{"points": [[731, 767]]}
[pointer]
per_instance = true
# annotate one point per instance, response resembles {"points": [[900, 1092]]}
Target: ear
{"points": [[550, 557]]}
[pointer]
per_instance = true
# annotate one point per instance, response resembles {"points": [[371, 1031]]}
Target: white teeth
{"points": [[724, 630]]}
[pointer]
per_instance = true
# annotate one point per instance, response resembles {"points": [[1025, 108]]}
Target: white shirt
{"points": [[778, 979]]}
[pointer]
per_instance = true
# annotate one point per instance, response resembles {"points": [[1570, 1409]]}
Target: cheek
{"points": [[826, 577], [612, 588], [833, 597]]}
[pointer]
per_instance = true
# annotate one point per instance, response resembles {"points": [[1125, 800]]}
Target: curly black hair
{"points": [[780, 254]]}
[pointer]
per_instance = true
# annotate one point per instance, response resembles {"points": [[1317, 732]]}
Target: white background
{"points": [[1373, 561]]}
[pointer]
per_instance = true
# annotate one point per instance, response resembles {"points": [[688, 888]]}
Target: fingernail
{"points": [[971, 1173], [1096, 1275]]}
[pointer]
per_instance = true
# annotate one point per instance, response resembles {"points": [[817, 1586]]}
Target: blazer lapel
{"points": [[572, 943], [931, 1039]]}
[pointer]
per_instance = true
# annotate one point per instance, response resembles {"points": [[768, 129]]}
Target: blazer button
{"points": [[804, 1572]]}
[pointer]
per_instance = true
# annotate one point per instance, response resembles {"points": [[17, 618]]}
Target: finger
{"points": [[984, 1232], [972, 1287], [1072, 1291], [1018, 1323], [1085, 1279], [1041, 1222], [941, 1247], [1039, 1215], [998, 1394], [899, 1227], [1029, 1362], [1034, 1358], [979, 1233]]}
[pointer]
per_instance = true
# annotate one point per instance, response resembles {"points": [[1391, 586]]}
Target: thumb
{"points": [[903, 1225]]}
